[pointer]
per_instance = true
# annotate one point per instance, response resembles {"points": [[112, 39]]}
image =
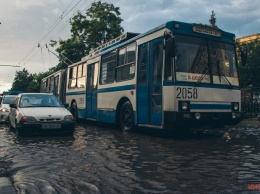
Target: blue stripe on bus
{"points": [[107, 116], [132, 86], [117, 88], [75, 93], [82, 113], [211, 106], [202, 85]]}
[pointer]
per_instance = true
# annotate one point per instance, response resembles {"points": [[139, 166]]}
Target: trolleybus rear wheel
{"points": [[126, 117]]}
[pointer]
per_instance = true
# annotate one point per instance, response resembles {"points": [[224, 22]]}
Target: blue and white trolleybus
{"points": [[177, 74]]}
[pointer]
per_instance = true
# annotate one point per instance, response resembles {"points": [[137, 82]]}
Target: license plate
{"points": [[51, 126]]}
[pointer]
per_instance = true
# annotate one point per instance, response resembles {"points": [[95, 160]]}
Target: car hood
{"points": [[46, 112]]}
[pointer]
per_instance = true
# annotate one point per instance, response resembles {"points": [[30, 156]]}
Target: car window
{"points": [[8, 99], [39, 101]]}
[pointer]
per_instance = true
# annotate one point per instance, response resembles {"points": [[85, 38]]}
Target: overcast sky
{"points": [[25, 23]]}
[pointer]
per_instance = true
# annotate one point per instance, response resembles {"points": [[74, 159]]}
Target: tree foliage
{"points": [[249, 73], [27, 82], [100, 24]]}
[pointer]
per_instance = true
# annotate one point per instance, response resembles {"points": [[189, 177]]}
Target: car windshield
{"points": [[39, 100], [8, 99]]}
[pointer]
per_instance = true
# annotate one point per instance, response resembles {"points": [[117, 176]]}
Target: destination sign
{"points": [[208, 31]]}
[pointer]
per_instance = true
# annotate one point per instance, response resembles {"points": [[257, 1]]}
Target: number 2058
{"points": [[190, 93]]}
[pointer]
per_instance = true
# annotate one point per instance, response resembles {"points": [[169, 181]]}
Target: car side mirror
{"points": [[66, 105], [13, 106]]}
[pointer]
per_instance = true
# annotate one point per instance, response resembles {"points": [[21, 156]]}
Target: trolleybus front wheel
{"points": [[126, 117]]}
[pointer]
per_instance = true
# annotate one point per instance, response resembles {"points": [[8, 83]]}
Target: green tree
{"points": [[22, 80], [249, 73], [27, 82], [100, 24]]}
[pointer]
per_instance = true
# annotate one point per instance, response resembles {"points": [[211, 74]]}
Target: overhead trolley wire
{"points": [[54, 25]]}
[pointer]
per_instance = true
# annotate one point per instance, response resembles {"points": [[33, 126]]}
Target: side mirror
{"points": [[13, 106], [243, 55], [66, 105]]}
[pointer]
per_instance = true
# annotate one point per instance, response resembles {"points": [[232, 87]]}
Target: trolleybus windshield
{"points": [[205, 61]]}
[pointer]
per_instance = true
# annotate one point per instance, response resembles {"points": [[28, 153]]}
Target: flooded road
{"points": [[104, 160]]}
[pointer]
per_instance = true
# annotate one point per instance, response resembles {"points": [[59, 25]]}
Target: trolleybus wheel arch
{"points": [[126, 117]]}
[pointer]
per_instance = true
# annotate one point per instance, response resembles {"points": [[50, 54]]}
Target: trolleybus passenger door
{"points": [[149, 83], [156, 63], [91, 93], [142, 85]]}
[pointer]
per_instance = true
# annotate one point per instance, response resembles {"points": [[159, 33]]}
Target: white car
{"points": [[5, 107], [40, 113]]}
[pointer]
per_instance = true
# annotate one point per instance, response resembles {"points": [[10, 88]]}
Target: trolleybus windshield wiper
{"points": [[221, 74], [202, 77], [225, 78]]}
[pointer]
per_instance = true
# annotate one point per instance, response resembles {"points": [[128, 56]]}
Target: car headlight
{"points": [[28, 119], [4, 110], [69, 118]]}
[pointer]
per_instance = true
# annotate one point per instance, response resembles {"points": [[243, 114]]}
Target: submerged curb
{"points": [[6, 186]]}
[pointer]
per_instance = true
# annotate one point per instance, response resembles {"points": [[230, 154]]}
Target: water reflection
{"points": [[102, 160]]}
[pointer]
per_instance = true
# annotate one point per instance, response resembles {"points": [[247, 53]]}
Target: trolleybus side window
{"points": [[47, 86], [52, 84], [126, 63], [170, 49], [56, 85], [81, 75], [108, 65], [142, 65], [72, 77], [44, 85], [158, 60]]}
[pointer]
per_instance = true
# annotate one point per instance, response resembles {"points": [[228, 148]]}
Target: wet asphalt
{"points": [[102, 159]]}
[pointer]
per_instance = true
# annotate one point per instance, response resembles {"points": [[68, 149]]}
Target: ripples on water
{"points": [[101, 160]]}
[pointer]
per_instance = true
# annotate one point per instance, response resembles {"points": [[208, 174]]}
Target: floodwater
{"points": [[104, 160]]}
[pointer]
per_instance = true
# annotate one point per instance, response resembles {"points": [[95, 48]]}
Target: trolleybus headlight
{"points": [[184, 106], [233, 115], [235, 106]]}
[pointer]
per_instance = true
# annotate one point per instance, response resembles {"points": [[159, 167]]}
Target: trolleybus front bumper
{"points": [[197, 119]]}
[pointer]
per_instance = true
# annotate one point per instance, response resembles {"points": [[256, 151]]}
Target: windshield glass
{"points": [[194, 61], [222, 57], [39, 100], [8, 99]]}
